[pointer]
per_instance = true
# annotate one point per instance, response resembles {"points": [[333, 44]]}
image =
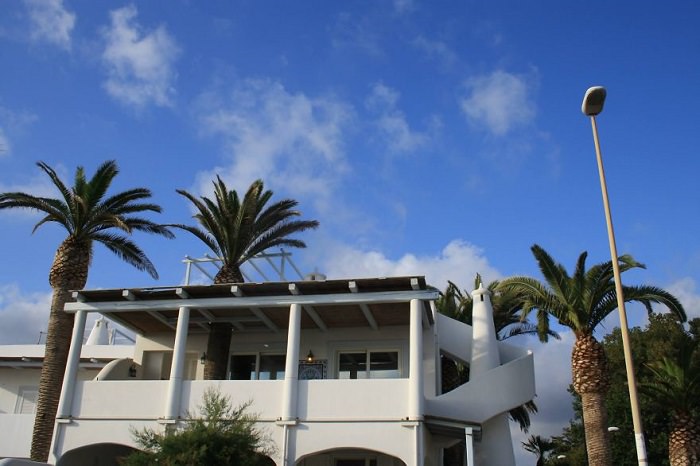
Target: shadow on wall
{"points": [[19, 462], [100, 454]]}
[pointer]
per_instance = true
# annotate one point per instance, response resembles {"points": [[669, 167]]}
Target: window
{"points": [[368, 365], [243, 367], [258, 367], [26, 400], [271, 367]]}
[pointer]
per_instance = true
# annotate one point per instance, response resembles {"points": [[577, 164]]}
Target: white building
{"points": [[369, 394], [20, 368]]}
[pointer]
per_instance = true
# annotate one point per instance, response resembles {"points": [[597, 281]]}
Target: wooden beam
{"points": [[294, 289], [365, 308], [236, 290]]}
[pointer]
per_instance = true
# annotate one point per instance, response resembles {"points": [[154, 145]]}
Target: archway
{"points": [[349, 457], [98, 454]]}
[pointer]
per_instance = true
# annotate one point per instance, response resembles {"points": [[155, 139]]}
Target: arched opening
{"points": [[349, 457], [98, 454]]}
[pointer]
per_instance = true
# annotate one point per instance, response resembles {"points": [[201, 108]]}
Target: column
{"points": [[177, 368], [469, 440], [66, 401], [291, 368], [415, 363]]}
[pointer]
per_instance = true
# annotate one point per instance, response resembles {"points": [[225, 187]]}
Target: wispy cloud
{"points": [[140, 64], [356, 33], [436, 50], [22, 315], [391, 122], [4, 144], [12, 122], [498, 102], [404, 6], [291, 140], [51, 22]]}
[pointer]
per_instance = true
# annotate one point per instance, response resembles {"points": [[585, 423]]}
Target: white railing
{"points": [[263, 267], [319, 400]]}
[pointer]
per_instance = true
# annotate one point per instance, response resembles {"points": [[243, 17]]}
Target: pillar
{"points": [[177, 367], [67, 390]]}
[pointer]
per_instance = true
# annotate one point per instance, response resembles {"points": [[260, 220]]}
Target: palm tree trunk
{"points": [[218, 347], [684, 441], [219, 341], [68, 272], [595, 424], [589, 369], [58, 337]]}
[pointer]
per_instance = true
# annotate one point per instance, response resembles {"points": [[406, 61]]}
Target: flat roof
{"points": [[262, 307]]}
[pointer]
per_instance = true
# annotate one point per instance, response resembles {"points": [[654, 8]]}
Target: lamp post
{"points": [[592, 105]]}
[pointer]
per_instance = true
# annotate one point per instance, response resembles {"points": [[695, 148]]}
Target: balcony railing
{"points": [[318, 400]]}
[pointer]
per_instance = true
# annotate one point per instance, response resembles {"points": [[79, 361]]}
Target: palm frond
{"points": [[127, 251]]}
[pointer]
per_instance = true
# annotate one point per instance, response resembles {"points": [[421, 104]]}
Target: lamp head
{"points": [[593, 101]]}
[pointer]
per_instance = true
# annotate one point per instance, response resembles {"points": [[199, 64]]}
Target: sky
{"points": [[438, 138]]}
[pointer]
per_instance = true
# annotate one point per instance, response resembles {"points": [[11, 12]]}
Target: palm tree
{"points": [[581, 302], [236, 230], [675, 386], [88, 217], [538, 446]]}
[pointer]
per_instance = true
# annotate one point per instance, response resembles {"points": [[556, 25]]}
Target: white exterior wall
{"points": [[16, 429]]}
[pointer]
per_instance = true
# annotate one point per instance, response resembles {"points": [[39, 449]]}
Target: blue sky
{"points": [[436, 138]]}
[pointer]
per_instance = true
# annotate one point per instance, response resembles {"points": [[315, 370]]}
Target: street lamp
{"points": [[592, 105]]}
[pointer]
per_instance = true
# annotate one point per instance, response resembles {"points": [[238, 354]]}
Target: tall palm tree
{"points": [[581, 302], [236, 230], [88, 217], [675, 386], [538, 446]]}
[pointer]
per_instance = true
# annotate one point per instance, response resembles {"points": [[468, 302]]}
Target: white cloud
{"points": [[292, 141], [139, 64], [686, 291], [499, 101], [51, 22], [459, 262], [552, 378], [391, 122], [22, 316]]}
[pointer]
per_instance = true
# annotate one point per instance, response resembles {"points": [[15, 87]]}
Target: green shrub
{"points": [[221, 435]]}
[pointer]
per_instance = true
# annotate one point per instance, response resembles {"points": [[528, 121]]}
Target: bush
{"points": [[221, 435]]}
